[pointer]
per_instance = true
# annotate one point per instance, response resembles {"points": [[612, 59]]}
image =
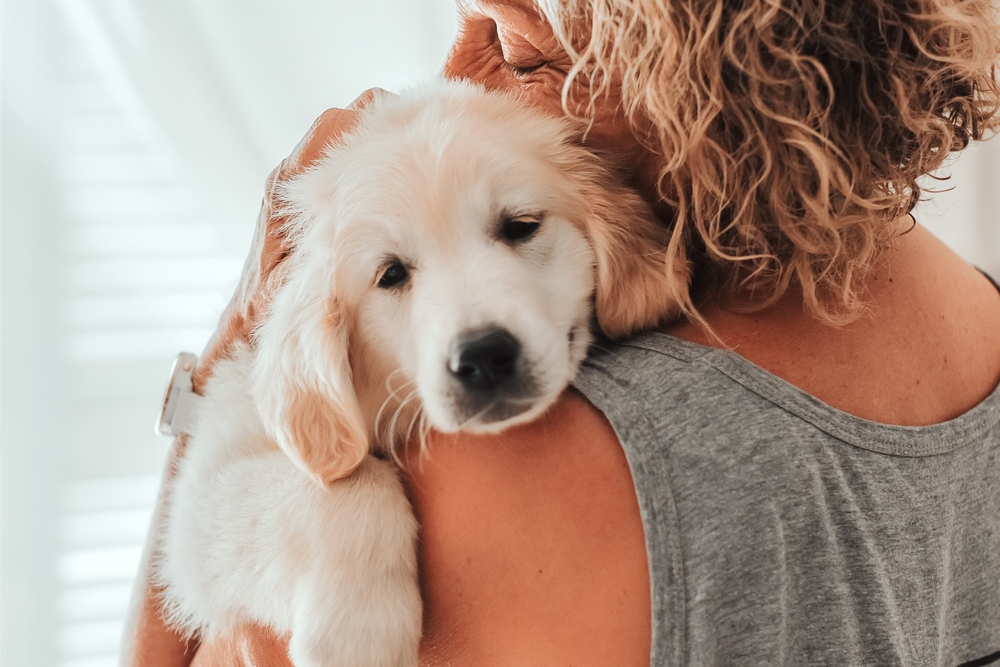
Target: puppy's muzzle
{"points": [[482, 361], [492, 380]]}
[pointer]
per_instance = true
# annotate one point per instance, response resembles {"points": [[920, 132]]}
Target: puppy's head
{"points": [[454, 250]]}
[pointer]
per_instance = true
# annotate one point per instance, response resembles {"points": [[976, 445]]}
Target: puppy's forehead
{"points": [[435, 161]]}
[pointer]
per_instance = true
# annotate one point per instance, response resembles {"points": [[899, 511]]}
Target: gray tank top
{"points": [[781, 531]]}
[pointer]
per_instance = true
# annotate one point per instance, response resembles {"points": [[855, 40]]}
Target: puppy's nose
{"points": [[483, 360]]}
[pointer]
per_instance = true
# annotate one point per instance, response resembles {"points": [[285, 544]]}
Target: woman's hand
{"points": [[148, 642]]}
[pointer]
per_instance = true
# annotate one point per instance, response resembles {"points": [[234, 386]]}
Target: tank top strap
{"points": [[989, 278]]}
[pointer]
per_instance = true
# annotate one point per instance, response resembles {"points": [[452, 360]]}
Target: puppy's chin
{"points": [[499, 415]]}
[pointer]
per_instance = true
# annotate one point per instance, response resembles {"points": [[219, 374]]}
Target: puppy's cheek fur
{"points": [[322, 437]]}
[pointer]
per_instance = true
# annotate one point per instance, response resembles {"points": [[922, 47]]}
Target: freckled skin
{"points": [[532, 547], [478, 54]]}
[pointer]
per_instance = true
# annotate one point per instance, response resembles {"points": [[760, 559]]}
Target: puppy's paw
{"points": [[358, 603], [383, 633], [330, 653]]}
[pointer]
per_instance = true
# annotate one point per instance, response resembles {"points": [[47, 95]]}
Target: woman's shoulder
{"points": [[926, 351], [532, 546]]}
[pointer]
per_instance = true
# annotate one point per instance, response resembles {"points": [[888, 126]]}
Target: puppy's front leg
{"points": [[335, 567], [369, 613], [251, 537]]}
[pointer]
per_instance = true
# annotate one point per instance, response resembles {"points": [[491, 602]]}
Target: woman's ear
{"points": [[642, 271], [302, 380]]}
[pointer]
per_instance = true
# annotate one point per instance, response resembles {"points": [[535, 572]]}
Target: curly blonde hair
{"points": [[792, 132]]}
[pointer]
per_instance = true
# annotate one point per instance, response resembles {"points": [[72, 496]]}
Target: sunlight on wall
{"points": [[144, 274], [102, 530]]}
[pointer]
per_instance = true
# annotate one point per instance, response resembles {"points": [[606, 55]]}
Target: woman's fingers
{"points": [[364, 99], [330, 127], [325, 132], [271, 243]]}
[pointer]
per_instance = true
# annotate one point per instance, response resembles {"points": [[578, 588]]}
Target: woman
{"points": [[828, 492]]}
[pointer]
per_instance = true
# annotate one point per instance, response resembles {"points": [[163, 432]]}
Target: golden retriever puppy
{"points": [[451, 257]]}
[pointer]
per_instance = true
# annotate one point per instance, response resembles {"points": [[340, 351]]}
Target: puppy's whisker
{"points": [[391, 441], [390, 433], [413, 420], [392, 396], [417, 419], [390, 376], [425, 429]]}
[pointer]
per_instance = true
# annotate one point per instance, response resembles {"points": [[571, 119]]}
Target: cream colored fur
{"points": [[281, 514]]}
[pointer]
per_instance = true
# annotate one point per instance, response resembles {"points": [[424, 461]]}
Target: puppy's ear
{"points": [[302, 380], [642, 271]]}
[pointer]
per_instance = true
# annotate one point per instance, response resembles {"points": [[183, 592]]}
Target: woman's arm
{"points": [[147, 641]]}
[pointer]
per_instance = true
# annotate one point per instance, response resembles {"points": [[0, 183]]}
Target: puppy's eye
{"points": [[515, 230], [395, 275]]}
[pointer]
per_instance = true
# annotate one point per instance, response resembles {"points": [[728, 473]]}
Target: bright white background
{"points": [[135, 137]]}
